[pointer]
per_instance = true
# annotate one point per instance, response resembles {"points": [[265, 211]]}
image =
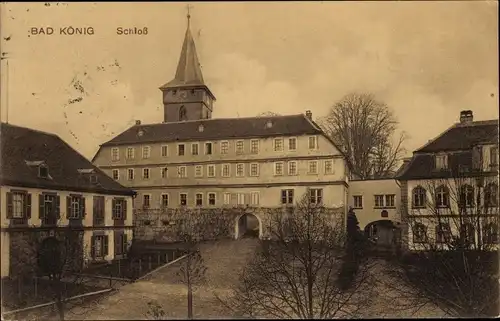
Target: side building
{"points": [[450, 188], [47, 188]]}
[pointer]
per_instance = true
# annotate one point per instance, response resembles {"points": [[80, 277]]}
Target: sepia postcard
{"points": [[277, 160]]}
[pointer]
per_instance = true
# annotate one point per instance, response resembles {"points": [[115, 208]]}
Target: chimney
{"points": [[466, 116], [309, 114], [137, 122]]}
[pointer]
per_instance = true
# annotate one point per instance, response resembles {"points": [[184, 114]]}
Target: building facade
{"points": [[377, 204], [48, 188], [450, 187], [193, 160]]}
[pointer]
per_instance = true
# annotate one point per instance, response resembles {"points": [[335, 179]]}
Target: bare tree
{"points": [[453, 234], [365, 130], [295, 274], [268, 114]]}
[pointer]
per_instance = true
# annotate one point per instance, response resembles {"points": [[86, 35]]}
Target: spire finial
{"points": [[188, 13]]}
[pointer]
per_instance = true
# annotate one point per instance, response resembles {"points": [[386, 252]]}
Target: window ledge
{"points": [[384, 207], [418, 207], [357, 208]]}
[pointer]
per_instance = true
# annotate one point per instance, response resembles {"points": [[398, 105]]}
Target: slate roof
{"points": [[458, 141], [217, 129], [188, 72], [21, 149], [463, 136]]}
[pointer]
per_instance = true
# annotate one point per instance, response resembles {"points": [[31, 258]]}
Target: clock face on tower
{"points": [[183, 94]]}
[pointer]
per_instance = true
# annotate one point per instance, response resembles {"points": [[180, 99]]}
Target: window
{"points": [[292, 168], [98, 209], [491, 195], [442, 197], [183, 199], [120, 243], [292, 143], [278, 144], [494, 156], [211, 199], [43, 171], [254, 169], [116, 174], [76, 207], [146, 150], [491, 234], [99, 247], [194, 149], [50, 209], [241, 198], [182, 113], [379, 200], [441, 161], [198, 171], [18, 205], [208, 148], [226, 170], [199, 199], [254, 198], [164, 172], [211, 170], [313, 167], [467, 234], [466, 196], [313, 142], [119, 209], [419, 233], [358, 201], [240, 147], [130, 174], [328, 167], [316, 195], [130, 152], [182, 171], [164, 200], [278, 168], [240, 170], [227, 198], [418, 197], [164, 150], [115, 154], [224, 147], [146, 201], [145, 173], [287, 196], [389, 200], [443, 233], [181, 149], [254, 146]]}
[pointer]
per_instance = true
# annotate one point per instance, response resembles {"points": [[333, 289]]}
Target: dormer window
{"points": [[269, 124], [43, 171], [201, 128], [140, 133], [93, 179], [441, 162], [182, 113]]}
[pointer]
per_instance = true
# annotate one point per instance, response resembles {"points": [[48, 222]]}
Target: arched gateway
{"points": [[248, 225], [385, 233]]}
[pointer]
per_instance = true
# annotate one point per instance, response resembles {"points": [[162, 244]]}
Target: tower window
{"points": [[182, 113]]}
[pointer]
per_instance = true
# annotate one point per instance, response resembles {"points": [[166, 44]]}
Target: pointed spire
{"points": [[188, 69]]}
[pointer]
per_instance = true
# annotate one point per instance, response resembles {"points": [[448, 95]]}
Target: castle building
{"points": [[47, 189], [194, 160]]}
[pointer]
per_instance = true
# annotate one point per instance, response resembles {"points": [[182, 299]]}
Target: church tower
{"points": [[186, 97]]}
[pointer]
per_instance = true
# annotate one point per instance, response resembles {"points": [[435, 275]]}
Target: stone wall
{"points": [[168, 225]]}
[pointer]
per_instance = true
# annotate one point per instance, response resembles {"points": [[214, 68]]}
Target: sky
{"points": [[426, 60]]}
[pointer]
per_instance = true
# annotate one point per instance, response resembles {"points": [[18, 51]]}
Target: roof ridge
{"points": [[30, 129], [435, 138], [215, 119]]}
